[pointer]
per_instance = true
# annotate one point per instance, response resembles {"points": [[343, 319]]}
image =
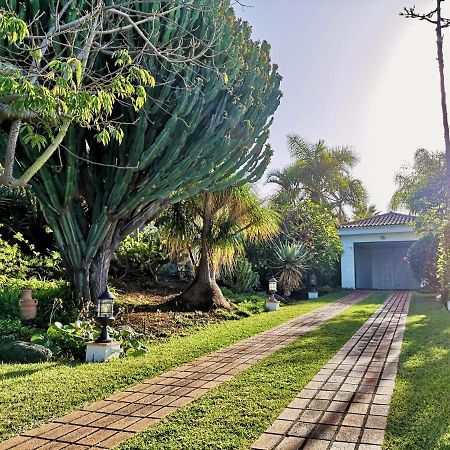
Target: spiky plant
{"points": [[291, 259]]}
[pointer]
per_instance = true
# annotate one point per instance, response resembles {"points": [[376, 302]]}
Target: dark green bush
{"points": [[423, 261], [13, 329]]}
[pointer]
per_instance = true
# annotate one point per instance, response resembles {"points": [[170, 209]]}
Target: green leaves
{"points": [[12, 28]]}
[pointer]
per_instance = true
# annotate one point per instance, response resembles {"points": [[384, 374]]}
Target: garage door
{"points": [[383, 266]]}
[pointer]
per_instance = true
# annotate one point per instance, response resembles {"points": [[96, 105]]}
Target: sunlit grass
{"points": [[236, 413], [419, 417], [34, 393]]}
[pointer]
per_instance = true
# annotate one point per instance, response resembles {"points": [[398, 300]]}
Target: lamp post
{"points": [[272, 288], [105, 315], [312, 293], [272, 304]]}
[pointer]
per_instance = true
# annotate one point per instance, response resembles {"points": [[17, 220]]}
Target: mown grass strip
{"points": [[235, 414], [419, 417], [34, 393]]}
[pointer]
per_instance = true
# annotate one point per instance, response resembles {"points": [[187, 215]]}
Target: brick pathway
{"points": [[107, 423], [345, 406]]}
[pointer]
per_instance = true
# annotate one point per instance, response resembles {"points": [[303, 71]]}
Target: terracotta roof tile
{"points": [[390, 219]]}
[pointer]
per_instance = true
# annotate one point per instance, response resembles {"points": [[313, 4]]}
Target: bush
{"points": [[54, 299], [13, 329], [19, 259], [423, 260], [140, 254], [69, 341], [246, 304], [241, 277]]}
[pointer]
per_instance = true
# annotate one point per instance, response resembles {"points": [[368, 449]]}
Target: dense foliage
{"points": [[198, 130], [423, 261], [140, 255], [55, 301], [315, 227]]}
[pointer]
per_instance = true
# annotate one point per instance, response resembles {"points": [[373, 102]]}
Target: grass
{"points": [[233, 415], [419, 416], [34, 393]]}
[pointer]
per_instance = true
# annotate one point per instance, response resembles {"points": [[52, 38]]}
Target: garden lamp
{"points": [[273, 286], [105, 311]]}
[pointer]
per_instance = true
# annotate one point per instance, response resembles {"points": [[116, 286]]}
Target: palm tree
{"points": [[365, 211], [215, 227], [321, 174]]}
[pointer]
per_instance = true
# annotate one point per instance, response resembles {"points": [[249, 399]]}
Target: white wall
{"points": [[374, 234]]}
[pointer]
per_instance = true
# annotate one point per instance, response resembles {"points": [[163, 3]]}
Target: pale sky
{"points": [[357, 74]]}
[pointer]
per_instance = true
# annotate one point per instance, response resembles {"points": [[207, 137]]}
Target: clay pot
{"points": [[28, 305]]}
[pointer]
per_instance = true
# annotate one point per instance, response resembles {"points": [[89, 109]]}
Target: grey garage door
{"points": [[382, 265]]}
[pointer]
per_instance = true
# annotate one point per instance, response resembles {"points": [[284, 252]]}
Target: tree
{"points": [[422, 259], [216, 226], [47, 83], [435, 17], [421, 189], [364, 211], [314, 227], [204, 127], [320, 174]]}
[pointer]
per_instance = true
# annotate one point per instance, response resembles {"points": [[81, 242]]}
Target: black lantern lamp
{"points": [[105, 311], [272, 287]]}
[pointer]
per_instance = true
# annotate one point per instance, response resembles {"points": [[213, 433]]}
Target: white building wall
{"points": [[349, 237]]}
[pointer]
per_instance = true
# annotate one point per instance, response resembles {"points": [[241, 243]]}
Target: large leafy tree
{"points": [[216, 227], [421, 189], [314, 227], [204, 127], [321, 174]]}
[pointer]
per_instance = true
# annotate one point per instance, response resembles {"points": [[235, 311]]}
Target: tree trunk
{"points": [[444, 239], [204, 292]]}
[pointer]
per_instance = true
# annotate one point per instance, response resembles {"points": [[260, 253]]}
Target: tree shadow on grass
{"points": [[24, 370]]}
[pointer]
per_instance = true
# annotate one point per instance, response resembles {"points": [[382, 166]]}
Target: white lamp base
{"points": [[99, 352], [272, 306], [312, 295]]}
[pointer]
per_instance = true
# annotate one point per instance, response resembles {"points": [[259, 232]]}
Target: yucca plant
{"points": [[291, 259]]}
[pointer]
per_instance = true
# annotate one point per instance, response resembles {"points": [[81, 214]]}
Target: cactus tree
{"points": [[204, 127]]}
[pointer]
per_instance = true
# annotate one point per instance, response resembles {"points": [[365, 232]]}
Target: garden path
{"points": [[107, 423], [345, 406]]}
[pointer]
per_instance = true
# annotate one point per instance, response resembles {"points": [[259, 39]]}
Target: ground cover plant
{"points": [[60, 387], [420, 408], [237, 412]]}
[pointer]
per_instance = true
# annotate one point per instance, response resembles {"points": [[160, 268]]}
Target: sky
{"points": [[354, 73]]}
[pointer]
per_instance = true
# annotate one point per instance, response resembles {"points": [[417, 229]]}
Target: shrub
{"points": [[241, 277], [55, 301], [140, 254], [423, 261], [291, 260], [69, 341], [13, 329], [19, 259]]}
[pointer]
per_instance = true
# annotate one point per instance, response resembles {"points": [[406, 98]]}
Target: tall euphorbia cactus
{"points": [[204, 127]]}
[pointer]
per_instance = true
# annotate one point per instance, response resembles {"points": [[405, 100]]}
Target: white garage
{"points": [[375, 250]]}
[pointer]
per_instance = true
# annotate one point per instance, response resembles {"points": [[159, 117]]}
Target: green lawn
{"points": [[233, 415], [34, 393], [419, 417]]}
